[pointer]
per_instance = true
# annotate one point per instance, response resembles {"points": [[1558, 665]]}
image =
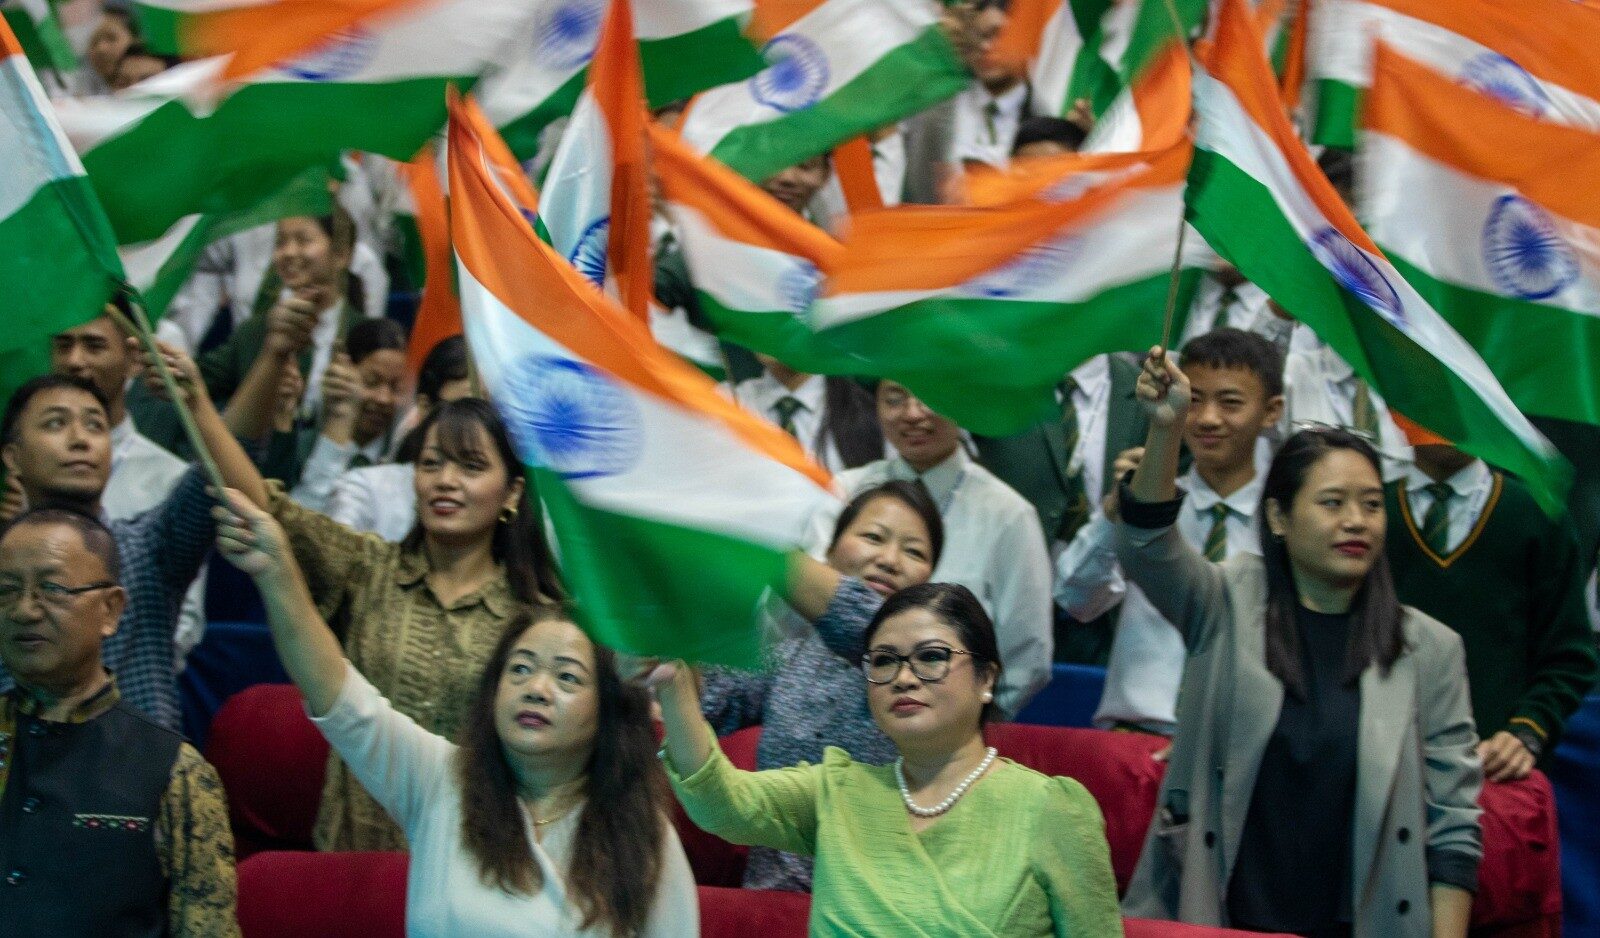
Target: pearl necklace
{"points": [[951, 799]]}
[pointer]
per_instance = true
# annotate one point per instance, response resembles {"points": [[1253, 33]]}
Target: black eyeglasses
{"points": [[930, 664], [47, 593]]}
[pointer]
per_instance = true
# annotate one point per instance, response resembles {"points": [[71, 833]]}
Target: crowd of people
{"points": [[1306, 607]]}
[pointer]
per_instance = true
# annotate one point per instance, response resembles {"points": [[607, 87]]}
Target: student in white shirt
{"points": [[1237, 392], [833, 418], [1322, 388], [143, 474], [382, 498], [993, 544], [361, 398], [548, 816], [990, 110]]}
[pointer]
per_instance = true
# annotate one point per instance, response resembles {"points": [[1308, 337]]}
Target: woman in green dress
{"points": [[947, 840]]}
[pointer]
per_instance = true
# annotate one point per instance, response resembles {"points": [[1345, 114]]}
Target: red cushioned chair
{"points": [[271, 760], [297, 894]]}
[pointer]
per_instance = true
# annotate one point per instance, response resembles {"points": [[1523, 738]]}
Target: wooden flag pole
{"points": [[1183, 226], [139, 326]]}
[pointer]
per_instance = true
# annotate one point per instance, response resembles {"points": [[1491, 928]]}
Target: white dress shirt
{"points": [[970, 137], [761, 394], [1248, 309], [411, 772], [1147, 655], [1092, 398], [993, 545], [381, 499], [327, 463], [1472, 485], [1320, 387], [143, 474]]}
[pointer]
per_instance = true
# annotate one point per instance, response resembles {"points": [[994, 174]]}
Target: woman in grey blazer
{"points": [[1324, 777]]}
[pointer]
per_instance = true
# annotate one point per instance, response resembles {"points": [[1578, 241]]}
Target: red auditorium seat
{"points": [[295, 894], [299, 894], [271, 760]]}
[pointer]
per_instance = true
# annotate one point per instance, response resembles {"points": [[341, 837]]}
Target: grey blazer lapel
{"points": [[1388, 709], [1252, 713]]}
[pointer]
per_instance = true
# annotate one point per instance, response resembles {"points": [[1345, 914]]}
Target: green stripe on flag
{"points": [[908, 79], [55, 278], [676, 67], [1153, 29], [43, 42], [1515, 337], [698, 610], [257, 140], [783, 336], [1239, 217], [991, 365], [1338, 105], [159, 27]]}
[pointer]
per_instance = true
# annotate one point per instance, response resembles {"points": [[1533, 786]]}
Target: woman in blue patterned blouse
{"points": [[811, 694]]}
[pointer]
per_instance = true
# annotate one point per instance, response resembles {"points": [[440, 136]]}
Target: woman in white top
{"points": [[548, 817]]}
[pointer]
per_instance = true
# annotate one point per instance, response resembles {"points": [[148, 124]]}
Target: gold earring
{"points": [[508, 515]]}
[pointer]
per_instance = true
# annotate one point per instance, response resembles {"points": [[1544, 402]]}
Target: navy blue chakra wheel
{"points": [[1356, 272], [567, 35], [570, 417], [345, 53], [1524, 253], [1499, 77], [796, 76]]}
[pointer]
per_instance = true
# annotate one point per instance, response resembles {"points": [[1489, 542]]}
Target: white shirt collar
{"points": [[1091, 373], [812, 392], [1010, 101], [123, 432], [1243, 502], [941, 480], [1472, 477]]}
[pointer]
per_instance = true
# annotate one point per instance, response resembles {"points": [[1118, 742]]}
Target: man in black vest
{"points": [[110, 824]]}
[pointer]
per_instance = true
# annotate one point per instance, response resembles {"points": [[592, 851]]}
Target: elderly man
{"points": [[56, 441], [109, 823]]}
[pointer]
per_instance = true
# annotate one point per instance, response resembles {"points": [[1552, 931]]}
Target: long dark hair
{"points": [[616, 852], [850, 420], [914, 495], [955, 606], [1375, 633], [519, 543]]}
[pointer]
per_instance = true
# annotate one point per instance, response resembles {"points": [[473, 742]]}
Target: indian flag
{"points": [[38, 31], [686, 46], [57, 256], [673, 509], [1537, 55], [1504, 241], [838, 68], [1059, 43], [756, 265], [1151, 113], [981, 310], [1259, 199], [596, 201], [185, 142]]}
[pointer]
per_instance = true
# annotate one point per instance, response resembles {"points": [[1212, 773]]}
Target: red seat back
{"points": [[272, 760], [298, 894], [1116, 768], [1519, 881]]}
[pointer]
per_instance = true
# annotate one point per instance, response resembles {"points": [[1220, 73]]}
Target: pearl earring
{"points": [[987, 697]]}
